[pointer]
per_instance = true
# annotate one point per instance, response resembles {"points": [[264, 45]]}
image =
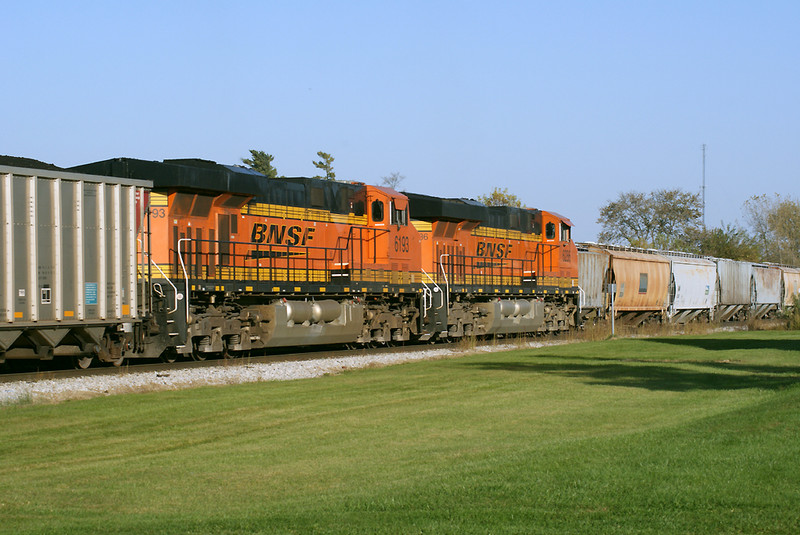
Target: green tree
{"points": [[325, 164], [500, 197], [775, 221], [262, 162], [660, 219], [393, 180], [726, 241]]}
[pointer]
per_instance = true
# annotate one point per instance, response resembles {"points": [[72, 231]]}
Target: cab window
{"points": [[550, 231], [564, 232], [377, 211], [399, 217]]}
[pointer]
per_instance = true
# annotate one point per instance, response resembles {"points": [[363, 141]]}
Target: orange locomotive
{"points": [[490, 271], [241, 262]]}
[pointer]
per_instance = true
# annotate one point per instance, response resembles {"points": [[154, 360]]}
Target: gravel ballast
{"points": [[58, 390]]}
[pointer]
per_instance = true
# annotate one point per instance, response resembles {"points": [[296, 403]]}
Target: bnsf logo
{"points": [[281, 234], [494, 250]]}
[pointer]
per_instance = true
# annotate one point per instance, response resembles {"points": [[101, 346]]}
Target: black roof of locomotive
{"points": [[29, 163], [211, 177], [201, 175], [428, 208]]}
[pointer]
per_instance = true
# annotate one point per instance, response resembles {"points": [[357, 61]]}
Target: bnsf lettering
{"points": [[493, 250], [281, 234]]}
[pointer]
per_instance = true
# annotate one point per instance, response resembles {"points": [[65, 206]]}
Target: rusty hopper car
{"points": [[642, 284], [69, 272]]}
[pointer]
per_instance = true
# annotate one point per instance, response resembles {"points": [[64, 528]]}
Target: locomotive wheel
{"points": [[197, 355], [117, 361], [169, 355], [81, 363]]}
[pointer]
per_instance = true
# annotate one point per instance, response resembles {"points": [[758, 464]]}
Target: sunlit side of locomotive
{"points": [[492, 270]]}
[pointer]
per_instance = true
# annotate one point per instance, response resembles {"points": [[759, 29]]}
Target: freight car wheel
{"points": [[112, 352], [82, 362], [169, 355], [196, 353]]}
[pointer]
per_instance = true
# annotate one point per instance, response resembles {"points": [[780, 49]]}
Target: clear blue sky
{"points": [[566, 104]]}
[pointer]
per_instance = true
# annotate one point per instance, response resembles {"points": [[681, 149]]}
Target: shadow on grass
{"points": [[658, 376], [729, 344]]}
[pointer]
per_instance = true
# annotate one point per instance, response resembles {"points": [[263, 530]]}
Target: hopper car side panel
{"points": [[592, 270], [733, 284], [791, 285], [766, 285], [693, 288], [765, 290]]}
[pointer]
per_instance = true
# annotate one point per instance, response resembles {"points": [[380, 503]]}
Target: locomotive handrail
{"points": [[150, 257], [185, 277], [446, 282], [426, 294], [438, 289], [490, 270], [317, 262], [175, 288]]}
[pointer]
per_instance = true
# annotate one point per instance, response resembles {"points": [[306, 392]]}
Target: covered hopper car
{"points": [[669, 286], [71, 284]]}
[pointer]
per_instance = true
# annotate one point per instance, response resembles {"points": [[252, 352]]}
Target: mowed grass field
{"points": [[691, 434]]}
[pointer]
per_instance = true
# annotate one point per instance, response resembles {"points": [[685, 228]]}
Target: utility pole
{"points": [[704, 185]]}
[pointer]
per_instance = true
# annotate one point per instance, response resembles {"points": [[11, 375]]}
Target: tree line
{"points": [[672, 219]]}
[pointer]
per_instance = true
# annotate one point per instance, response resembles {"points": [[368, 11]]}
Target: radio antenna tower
{"points": [[704, 185]]}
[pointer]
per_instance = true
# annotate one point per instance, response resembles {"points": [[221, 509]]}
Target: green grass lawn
{"points": [[693, 434]]}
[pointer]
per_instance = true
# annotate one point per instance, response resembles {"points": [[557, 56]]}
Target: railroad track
{"points": [[156, 367]]}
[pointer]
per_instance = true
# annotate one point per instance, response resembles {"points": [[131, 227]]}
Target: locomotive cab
{"points": [[389, 240], [558, 266]]}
